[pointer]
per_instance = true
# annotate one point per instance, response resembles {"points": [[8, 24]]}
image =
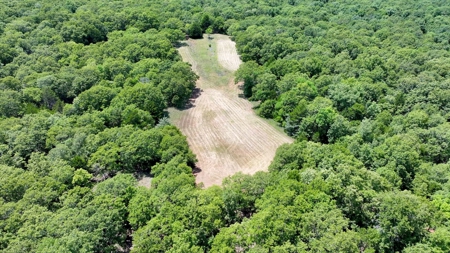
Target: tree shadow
{"points": [[241, 95], [190, 103], [142, 174], [180, 44], [196, 170], [166, 114]]}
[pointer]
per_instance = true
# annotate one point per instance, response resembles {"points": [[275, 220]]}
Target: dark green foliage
{"points": [[177, 84], [145, 96], [402, 219], [205, 22], [96, 98], [10, 83], [10, 104], [195, 30], [361, 85], [84, 28], [369, 79], [144, 20], [7, 55], [266, 109], [248, 73], [84, 115]]}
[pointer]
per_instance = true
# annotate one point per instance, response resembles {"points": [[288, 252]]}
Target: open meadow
{"points": [[221, 126]]}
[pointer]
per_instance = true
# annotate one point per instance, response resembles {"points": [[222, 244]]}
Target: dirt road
{"points": [[221, 127]]}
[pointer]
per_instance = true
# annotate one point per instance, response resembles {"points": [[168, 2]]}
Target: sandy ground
{"points": [[144, 179], [221, 127], [146, 182]]}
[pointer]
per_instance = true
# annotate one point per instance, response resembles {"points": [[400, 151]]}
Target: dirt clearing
{"points": [[222, 128], [227, 54]]}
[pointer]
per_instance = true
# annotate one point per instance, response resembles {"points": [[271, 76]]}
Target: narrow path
{"points": [[221, 127]]}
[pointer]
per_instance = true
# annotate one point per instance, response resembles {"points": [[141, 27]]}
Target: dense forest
{"points": [[363, 87]]}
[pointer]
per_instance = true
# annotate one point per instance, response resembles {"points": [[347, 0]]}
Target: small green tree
{"points": [[209, 31], [81, 177]]}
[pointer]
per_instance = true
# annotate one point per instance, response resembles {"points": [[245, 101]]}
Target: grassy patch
{"points": [[204, 51], [174, 115]]}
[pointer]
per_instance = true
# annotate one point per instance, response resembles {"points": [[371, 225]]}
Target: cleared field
{"points": [[221, 127], [227, 55]]}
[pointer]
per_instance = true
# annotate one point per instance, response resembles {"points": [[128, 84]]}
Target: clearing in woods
{"points": [[221, 127]]}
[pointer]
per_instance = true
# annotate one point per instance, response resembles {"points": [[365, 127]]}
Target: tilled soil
{"points": [[221, 127]]}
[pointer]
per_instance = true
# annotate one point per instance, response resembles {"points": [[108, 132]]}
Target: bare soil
{"points": [[222, 128], [144, 179], [227, 54]]}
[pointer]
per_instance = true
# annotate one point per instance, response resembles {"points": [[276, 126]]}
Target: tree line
{"points": [[362, 87]]}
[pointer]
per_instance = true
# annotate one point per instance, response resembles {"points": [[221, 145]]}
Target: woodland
{"points": [[362, 86]]}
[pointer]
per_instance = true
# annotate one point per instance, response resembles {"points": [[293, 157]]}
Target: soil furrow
{"points": [[221, 127]]}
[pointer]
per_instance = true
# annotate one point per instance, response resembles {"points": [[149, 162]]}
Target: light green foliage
{"points": [[81, 177], [145, 96], [13, 183], [10, 83], [187, 216], [137, 117], [32, 95], [422, 248], [280, 208], [84, 28], [240, 193], [10, 104], [177, 84], [113, 93], [267, 109], [95, 98], [402, 219], [141, 208], [248, 72], [136, 150], [266, 87]]}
